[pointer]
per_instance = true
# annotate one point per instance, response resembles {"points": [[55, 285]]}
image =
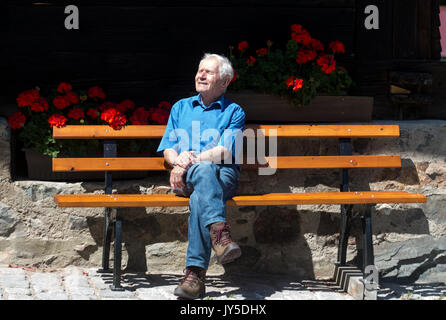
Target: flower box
{"points": [[269, 108]]}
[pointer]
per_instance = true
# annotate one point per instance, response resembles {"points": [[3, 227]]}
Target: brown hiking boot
{"points": [[192, 285], [226, 250]]}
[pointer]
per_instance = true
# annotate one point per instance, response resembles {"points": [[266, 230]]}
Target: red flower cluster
{"points": [[17, 120], [63, 101], [311, 48], [114, 118], [337, 47], [93, 113], [64, 87], [165, 105], [57, 120], [31, 98], [300, 35], [158, 115], [96, 92], [327, 63], [305, 55], [125, 105], [242, 46], [296, 83], [250, 61], [69, 108], [304, 68], [76, 113], [115, 115], [140, 116], [316, 45], [262, 51]]}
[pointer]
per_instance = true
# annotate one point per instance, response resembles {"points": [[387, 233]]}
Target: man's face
{"points": [[207, 79]]}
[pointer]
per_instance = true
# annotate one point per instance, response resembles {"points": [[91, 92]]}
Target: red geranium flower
{"points": [[337, 47], [17, 120], [300, 35], [316, 45], [96, 92], [298, 84], [327, 63], [92, 113], [140, 116], [76, 113], [165, 105], [250, 61], [160, 116], [242, 46], [39, 105], [262, 51], [290, 82], [305, 55], [114, 118], [125, 105], [26, 98], [57, 120], [72, 97], [61, 102], [64, 87]]}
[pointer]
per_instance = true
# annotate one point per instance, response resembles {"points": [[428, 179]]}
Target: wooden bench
{"points": [[344, 161]]}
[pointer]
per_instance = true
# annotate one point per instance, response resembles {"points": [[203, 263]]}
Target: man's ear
{"points": [[225, 83]]}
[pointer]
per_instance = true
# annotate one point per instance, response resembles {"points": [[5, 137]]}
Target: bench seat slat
{"points": [[284, 162], [294, 131], [171, 200]]}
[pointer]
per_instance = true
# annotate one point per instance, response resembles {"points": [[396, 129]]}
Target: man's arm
{"points": [[217, 155], [170, 156]]}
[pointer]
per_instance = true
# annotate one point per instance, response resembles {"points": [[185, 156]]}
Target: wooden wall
{"points": [[408, 41], [148, 50]]}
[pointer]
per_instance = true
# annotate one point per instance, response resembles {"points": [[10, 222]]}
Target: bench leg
{"points": [[117, 255], [106, 242], [367, 240], [344, 234]]}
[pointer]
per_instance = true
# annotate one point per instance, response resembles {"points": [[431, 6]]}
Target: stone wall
{"points": [[409, 239]]}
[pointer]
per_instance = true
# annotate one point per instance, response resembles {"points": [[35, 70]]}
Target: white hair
{"points": [[224, 65]]}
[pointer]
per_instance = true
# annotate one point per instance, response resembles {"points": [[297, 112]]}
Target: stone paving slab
{"points": [[76, 283]]}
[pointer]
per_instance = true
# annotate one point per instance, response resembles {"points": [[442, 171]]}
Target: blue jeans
{"points": [[209, 186]]}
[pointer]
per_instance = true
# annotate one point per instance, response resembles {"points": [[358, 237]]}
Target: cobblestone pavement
{"points": [[76, 283]]}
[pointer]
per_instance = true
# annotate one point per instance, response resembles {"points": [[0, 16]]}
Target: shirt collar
{"points": [[219, 103]]}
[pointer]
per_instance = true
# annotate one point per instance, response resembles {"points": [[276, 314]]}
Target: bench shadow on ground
{"points": [[389, 291], [234, 286]]}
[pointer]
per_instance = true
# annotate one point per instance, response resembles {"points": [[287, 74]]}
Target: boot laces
{"points": [[223, 235], [191, 276]]}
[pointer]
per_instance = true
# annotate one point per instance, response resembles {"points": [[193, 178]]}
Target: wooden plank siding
{"points": [[147, 51]]}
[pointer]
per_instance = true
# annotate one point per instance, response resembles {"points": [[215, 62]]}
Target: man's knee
{"points": [[205, 168]]}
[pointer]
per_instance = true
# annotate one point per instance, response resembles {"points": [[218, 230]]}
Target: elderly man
{"points": [[205, 166]]}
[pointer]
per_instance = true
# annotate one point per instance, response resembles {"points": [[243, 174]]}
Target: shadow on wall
{"points": [[275, 235]]}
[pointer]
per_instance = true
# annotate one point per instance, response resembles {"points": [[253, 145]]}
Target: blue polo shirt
{"points": [[193, 126]]}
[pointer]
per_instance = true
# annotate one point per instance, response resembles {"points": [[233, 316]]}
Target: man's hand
{"points": [[185, 160], [177, 177]]}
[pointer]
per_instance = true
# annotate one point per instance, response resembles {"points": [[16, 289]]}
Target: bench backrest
{"points": [[110, 162]]}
